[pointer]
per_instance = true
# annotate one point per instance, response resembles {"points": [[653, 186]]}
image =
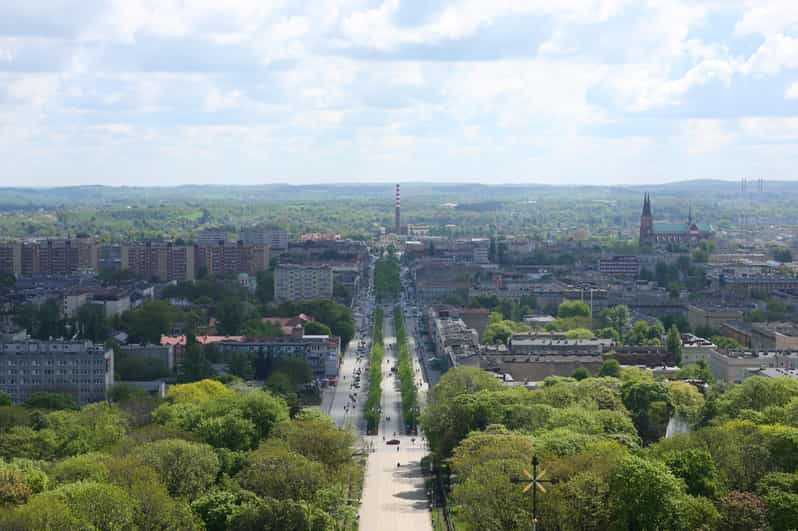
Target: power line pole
{"points": [[534, 482]]}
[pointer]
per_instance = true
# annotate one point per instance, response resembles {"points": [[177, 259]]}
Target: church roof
{"points": [[680, 227]]}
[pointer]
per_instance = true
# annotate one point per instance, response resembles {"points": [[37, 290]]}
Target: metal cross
{"points": [[534, 482]]}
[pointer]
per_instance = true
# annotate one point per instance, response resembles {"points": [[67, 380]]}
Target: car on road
{"points": [[392, 441]]}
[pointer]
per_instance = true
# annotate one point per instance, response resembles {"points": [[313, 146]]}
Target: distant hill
{"points": [[72, 196]]}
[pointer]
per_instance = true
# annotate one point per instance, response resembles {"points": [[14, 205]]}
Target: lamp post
{"points": [[534, 482]]}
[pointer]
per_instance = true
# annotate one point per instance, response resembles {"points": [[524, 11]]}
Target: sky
{"points": [[167, 92]]}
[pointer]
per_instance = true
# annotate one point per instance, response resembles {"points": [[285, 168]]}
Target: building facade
{"points": [[623, 266], [293, 282], [77, 368], [273, 237], [231, 257], [164, 261]]}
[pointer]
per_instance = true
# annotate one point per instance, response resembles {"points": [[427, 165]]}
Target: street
{"points": [[394, 497]]}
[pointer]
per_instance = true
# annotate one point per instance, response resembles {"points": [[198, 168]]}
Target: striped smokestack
{"points": [[398, 210]]}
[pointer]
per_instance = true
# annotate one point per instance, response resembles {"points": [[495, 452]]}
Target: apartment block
{"points": [[294, 282], [624, 266], [164, 261], [58, 256], [274, 237], [78, 368], [11, 258], [231, 257]]}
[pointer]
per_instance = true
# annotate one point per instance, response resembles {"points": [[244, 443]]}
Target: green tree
{"points": [[642, 494], [697, 468], [726, 343], [579, 333], [313, 328], [196, 365], [46, 512], [92, 323], [782, 254], [5, 400], [228, 431], [219, 508], [241, 365], [85, 467], [610, 368], [265, 290], [780, 493], [149, 322], [274, 471], [318, 438], [581, 373], [488, 499], [47, 400], [231, 316], [281, 515], [650, 406], [186, 468], [102, 505], [616, 318], [674, 344], [569, 309]]}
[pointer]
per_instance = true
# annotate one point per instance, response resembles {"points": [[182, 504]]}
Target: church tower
{"points": [[646, 223]]}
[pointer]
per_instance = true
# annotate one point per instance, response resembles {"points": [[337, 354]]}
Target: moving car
{"points": [[392, 441]]}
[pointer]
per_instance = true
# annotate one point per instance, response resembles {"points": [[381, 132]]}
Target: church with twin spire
{"points": [[655, 233]]}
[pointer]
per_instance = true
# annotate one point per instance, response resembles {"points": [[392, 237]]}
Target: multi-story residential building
{"points": [[774, 336], [763, 284], [231, 257], [321, 352], [109, 258], [625, 266], [451, 337], [11, 258], [113, 302], [210, 236], [542, 344], [58, 256], [293, 282], [738, 365], [429, 291], [163, 261], [273, 237], [740, 331], [80, 369], [712, 315], [72, 301]]}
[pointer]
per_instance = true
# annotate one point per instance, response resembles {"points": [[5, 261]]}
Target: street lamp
{"points": [[534, 482]]}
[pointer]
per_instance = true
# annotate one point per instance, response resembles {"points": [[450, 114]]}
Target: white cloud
{"points": [[349, 87], [702, 136]]}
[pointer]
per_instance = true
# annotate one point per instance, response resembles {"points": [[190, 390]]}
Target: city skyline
{"points": [[575, 92]]}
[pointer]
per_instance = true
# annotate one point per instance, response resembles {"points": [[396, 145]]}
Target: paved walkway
{"points": [[394, 497]]}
